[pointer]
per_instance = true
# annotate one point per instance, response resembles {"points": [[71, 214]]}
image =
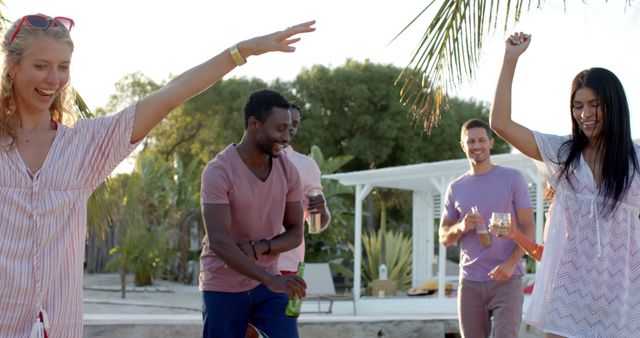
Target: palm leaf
{"points": [[82, 107], [449, 51], [331, 164], [101, 210], [3, 21]]}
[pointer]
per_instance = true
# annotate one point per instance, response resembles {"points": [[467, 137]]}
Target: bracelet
{"points": [[268, 246], [535, 250], [536, 253], [253, 248], [236, 56]]}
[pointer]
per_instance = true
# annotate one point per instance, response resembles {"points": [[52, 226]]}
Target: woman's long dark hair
{"points": [[615, 149]]}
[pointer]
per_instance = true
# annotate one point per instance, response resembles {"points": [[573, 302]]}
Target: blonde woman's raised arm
{"points": [[153, 108]]}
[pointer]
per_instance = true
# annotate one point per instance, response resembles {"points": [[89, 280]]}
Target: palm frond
{"points": [[3, 20], [328, 165], [448, 53], [82, 107], [101, 210]]}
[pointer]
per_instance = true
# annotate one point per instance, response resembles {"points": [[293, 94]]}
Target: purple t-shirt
{"points": [[499, 190]]}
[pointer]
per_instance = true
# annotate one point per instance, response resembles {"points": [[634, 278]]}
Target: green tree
{"points": [[354, 105], [185, 214], [129, 89], [206, 124], [159, 208], [144, 230], [101, 210], [356, 109], [161, 199]]}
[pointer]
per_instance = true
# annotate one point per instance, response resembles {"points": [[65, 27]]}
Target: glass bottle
{"points": [[295, 303]]}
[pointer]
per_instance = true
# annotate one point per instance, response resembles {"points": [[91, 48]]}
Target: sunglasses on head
{"points": [[42, 22]]}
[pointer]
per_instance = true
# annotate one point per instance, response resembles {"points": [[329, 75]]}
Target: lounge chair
{"points": [[320, 287]]}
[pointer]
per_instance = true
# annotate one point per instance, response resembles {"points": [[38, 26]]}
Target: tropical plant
{"points": [[130, 88], [389, 200], [125, 189], [397, 256], [185, 203], [140, 251], [329, 245], [449, 51], [143, 228]]}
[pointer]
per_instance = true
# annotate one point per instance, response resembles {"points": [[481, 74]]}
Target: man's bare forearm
{"points": [[289, 239], [234, 258]]}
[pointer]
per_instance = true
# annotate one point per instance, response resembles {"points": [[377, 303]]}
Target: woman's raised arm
{"points": [[153, 108], [500, 120]]}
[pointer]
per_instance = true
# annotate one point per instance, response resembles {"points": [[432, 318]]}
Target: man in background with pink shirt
{"points": [[310, 177], [249, 193], [313, 197]]}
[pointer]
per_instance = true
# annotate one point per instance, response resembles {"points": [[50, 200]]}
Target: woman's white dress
{"points": [[588, 282]]}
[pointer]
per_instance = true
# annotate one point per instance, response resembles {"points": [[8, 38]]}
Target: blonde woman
{"points": [[48, 169]]}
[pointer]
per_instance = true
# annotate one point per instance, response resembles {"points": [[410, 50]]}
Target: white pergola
{"points": [[428, 182]]}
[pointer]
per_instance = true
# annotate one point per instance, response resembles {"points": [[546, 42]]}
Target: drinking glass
{"points": [[315, 218], [501, 221]]}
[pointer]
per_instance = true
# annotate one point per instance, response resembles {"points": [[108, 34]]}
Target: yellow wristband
{"points": [[237, 57]]}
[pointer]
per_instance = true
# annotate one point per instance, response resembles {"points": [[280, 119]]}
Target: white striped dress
{"points": [[43, 223]]}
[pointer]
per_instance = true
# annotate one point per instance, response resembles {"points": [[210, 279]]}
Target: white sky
{"points": [[158, 38]]}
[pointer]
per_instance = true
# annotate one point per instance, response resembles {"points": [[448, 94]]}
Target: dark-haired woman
{"points": [[588, 283]]}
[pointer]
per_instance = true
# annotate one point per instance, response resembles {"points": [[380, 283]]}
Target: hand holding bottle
{"points": [[481, 229], [295, 302]]}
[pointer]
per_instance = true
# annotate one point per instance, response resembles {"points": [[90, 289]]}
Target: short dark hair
{"points": [[261, 103], [476, 123], [295, 107]]}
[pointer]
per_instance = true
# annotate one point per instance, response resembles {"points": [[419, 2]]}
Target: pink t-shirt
{"points": [[310, 176], [43, 222], [257, 212]]}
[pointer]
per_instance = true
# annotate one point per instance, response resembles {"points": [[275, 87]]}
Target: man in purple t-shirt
{"points": [[249, 192], [490, 277]]}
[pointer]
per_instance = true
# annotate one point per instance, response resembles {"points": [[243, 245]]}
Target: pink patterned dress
{"points": [[588, 282], [43, 218]]}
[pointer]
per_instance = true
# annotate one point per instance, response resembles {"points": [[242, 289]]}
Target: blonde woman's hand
{"points": [[280, 41]]}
